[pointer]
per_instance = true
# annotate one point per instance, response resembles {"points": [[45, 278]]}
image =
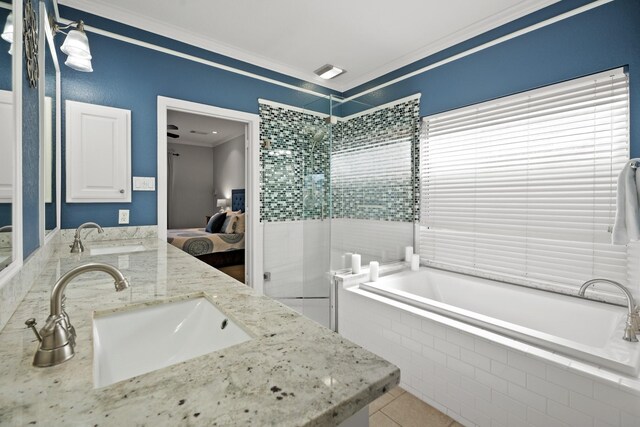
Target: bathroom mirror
{"points": [[7, 135], [50, 122]]}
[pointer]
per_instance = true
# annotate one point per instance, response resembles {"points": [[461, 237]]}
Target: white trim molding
{"points": [[484, 46], [253, 236]]}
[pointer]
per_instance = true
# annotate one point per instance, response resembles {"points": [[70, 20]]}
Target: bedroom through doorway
{"points": [[206, 188]]}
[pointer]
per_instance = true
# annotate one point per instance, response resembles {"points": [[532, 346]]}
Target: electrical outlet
{"points": [[123, 216]]}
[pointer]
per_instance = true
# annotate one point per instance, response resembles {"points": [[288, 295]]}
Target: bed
{"points": [[216, 249]]}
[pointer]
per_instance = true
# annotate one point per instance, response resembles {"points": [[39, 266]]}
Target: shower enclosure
{"points": [[336, 179]]}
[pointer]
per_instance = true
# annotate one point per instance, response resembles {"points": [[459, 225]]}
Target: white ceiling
{"points": [[368, 38], [186, 122]]}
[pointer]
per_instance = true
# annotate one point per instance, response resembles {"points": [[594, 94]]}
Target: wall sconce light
{"points": [[7, 32], [75, 46]]}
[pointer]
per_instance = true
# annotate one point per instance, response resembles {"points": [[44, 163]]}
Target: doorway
{"points": [[252, 236]]}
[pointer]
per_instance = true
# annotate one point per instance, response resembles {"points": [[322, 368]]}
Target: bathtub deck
{"points": [[400, 408]]}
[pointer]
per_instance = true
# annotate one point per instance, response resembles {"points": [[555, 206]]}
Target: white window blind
{"points": [[523, 188]]}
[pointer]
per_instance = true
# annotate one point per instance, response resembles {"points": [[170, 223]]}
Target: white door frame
{"points": [[253, 236]]}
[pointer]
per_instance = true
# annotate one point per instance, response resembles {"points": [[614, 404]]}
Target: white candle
{"points": [[355, 263], [408, 252], [374, 271], [415, 262], [347, 259]]}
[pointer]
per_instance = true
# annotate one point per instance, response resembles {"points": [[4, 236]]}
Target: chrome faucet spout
{"points": [[57, 336], [58, 289], [77, 246], [633, 319]]}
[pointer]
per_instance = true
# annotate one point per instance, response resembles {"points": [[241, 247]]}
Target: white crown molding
{"points": [[114, 13], [98, 7], [471, 31]]}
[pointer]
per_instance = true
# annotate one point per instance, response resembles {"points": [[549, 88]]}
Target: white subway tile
{"points": [[447, 347], [491, 381], [465, 397], [497, 415], [547, 389], [527, 364], [392, 336], [508, 404], [412, 344], [508, 373], [445, 399], [434, 329], [422, 337], [600, 423], [539, 419], [475, 416], [629, 420], [491, 350], [447, 374], [614, 396], [411, 320], [481, 391], [527, 397], [401, 328], [569, 415], [460, 367], [460, 339], [516, 421], [594, 408], [435, 355], [475, 359], [569, 380]]}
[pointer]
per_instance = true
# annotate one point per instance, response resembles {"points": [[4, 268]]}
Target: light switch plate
{"points": [[144, 183]]}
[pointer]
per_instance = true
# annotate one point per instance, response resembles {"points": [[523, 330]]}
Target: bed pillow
{"points": [[215, 223], [240, 228], [230, 224]]}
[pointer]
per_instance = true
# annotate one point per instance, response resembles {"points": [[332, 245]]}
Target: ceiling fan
{"points": [[171, 134]]}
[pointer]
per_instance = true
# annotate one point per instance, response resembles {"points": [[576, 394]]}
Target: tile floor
{"points": [[398, 408]]}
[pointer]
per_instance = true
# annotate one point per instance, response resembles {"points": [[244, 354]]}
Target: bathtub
{"points": [[585, 330]]}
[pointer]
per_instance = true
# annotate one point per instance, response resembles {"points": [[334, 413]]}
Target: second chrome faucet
{"points": [[77, 246]]}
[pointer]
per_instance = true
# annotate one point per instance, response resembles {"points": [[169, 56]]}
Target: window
{"points": [[523, 188]]}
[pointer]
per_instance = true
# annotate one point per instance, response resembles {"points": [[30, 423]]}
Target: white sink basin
{"points": [[108, 250], [141, 340]]}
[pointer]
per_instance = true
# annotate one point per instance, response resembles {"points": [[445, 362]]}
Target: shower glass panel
{"points": [[337, 179], [316, 212]]}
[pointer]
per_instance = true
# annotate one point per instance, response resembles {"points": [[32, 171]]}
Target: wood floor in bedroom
{"points": [[399, 408], [235, 271]]}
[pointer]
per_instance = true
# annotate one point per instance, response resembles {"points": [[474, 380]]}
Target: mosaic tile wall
{"points": [[294, 170], [372, 170], [374, 165]]}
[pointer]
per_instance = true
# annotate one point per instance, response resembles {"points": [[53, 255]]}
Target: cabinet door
{"points": [[98, 153], [7, 144]]}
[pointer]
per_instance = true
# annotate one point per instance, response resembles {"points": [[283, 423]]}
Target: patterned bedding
{"points": [[196, 241]]}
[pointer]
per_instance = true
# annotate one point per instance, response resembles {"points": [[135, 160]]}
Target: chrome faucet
{"points": [[77, 246], [633, 317], [57, 336]]}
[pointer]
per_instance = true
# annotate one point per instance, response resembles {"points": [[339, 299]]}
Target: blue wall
{"points": [[30, 162], [597, 40], [131, 77]]}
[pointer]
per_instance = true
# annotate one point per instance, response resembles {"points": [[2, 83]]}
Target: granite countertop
{"points": [[294, 372]]}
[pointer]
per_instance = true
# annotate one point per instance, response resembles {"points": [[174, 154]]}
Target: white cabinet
{"points": [[7, 144], [98, 153]]}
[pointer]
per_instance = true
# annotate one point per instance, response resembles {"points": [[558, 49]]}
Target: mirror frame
{"points": [[17, 64], [45, 40]]}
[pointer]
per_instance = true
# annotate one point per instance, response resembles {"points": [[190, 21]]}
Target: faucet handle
{"points": [[31, 323]]}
